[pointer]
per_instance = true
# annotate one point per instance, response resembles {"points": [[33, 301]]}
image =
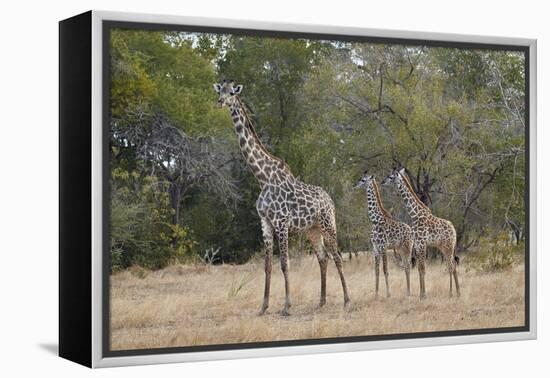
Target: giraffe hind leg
{"points": [[329, 239], [408, 278], [457, 287], [455, 274], [450, 282], [450, 269], [376, 273], [452, 272]]}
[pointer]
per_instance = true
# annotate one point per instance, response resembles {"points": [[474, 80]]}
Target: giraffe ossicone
{"points": [[285, 205]]}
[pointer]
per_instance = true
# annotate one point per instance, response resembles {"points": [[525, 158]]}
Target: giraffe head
{"points": [[364, 181], [227, 91], [394, 177]]}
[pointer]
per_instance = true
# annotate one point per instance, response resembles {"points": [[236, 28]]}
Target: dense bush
{"points": [[496, 254], [140, 230]]}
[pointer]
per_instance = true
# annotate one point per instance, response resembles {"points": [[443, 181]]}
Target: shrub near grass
{"points": [[495, 255]]}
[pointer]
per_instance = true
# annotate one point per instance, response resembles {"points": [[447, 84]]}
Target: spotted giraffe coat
{"points": [[428, 231], [387, 232], [285, 204]]}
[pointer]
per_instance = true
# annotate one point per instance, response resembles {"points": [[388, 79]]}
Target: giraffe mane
{"points": [[411, 190], [378, 200], [252, 129]]}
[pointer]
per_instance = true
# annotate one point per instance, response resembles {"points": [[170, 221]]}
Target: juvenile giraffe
{"points": [[387, 233], [285, 204], [428, 231]]}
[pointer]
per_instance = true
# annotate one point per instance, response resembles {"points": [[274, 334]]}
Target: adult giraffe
{"points": [[428, 231], [285, 204]]}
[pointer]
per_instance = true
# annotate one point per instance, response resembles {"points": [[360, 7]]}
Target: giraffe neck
{"points": [[264, 166], [376, 210], [415, 207]]}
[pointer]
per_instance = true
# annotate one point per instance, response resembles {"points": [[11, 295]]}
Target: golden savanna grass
{"points": [[185, 305]]}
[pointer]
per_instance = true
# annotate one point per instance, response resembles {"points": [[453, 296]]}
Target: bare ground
{"points": [[197, 305]]}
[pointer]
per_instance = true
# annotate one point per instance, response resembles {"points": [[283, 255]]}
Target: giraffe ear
{"points": [[217, 87], [402, 170], [237, 89]]}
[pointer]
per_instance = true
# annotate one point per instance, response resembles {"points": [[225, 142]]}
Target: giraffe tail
{"points": [[413, 259], [457, 259]]}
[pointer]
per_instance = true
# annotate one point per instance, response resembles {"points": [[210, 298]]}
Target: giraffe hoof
{"points": [[285, 312], [388, 295], [262, 311], [322, 303], [422, 296], [346, 303]]}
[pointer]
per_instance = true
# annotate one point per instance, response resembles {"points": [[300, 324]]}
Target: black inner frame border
{"points": [[108, 25]]}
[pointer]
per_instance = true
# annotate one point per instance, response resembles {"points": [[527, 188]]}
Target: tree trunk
{"points": [[175, 200], [517, 230]]}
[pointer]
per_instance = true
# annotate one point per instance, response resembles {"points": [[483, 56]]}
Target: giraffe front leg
{"points": [[376, 272], [385, 269], [314, 236], [323, 263], [407, 263], [267, 231], [421, 255], [422, 275], [282, 236]]}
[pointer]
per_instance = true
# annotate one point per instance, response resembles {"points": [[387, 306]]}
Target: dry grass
{"points": [[198, 305]]}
